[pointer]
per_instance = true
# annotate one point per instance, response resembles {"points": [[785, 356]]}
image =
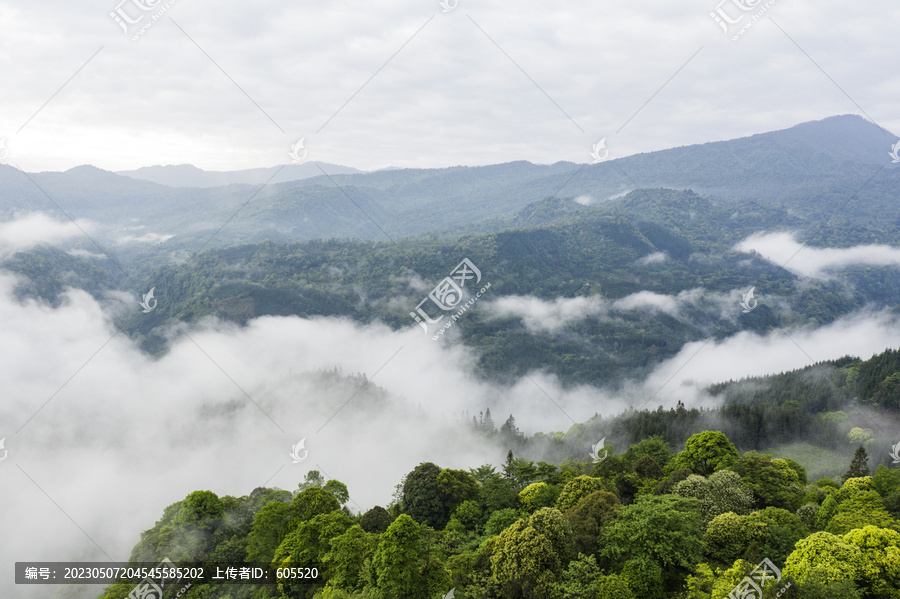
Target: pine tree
{"points": [[860, 464], [488, 423]]}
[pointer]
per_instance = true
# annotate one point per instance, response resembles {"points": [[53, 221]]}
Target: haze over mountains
{"points": [[799, 168], [657, 247]]}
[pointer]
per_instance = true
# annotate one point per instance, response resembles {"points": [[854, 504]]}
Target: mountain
{"points": [[187, 175], [817, 168]]}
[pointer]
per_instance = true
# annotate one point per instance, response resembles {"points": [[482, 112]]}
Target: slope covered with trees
{"points": [[652, 522]]}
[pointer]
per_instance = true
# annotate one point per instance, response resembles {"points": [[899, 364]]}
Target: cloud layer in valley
{"points": [[128, 434], [784, 250]]}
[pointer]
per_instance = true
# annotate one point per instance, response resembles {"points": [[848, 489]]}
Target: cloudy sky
{"points": [[231, 85]]}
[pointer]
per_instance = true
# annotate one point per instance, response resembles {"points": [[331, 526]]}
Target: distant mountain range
{"points": [[815, 167], [188, 175]]}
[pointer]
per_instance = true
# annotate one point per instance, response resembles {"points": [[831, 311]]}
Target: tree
{"points": [[345, 562], [509, 432], [782, 530], [589, 517], [307, 544], [500, 521], [612, 587], [827, 511], [406, 563], [397, 558], [497, 493], [869, 556], [773, 482], [859, 466], [859, 505], [577, 582], [536, 496], [577, 489], [530, 555], [878, 573], [313, 478], [313, 502], [720, 493], [706, 452], [648, 468], [339, 490], [654, 447], [456, 486], [469, 515], [270, 525], [376, 520], [729, 536], [422, 499], [200, 510], [521, 472], [836, 559], [665, 529]]}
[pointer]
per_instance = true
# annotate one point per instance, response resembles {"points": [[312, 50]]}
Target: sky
{"points": [[235, 85], [230, 85]]}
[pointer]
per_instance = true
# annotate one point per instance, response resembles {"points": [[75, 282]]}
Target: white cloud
{"points": [[746, 354], [654, 258], [145, 238], [784, 250], [584, 200], [648, 300], [30, 230], [546, 315], [450, 96], [129, 434]]}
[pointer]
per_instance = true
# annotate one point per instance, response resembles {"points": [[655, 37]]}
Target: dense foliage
{"points": [[690, 523]]}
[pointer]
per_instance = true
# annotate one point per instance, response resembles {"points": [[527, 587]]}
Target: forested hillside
{"points": [[596, 253], [646, 522], [670, 513]]}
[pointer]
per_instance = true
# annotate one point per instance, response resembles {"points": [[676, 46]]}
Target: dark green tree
{"points": [[422, 498], [859, 466], [663, 529], [376, 520]]}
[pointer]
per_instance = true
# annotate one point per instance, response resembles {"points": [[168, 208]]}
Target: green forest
{"points": [[648, 523], [673, 514]]}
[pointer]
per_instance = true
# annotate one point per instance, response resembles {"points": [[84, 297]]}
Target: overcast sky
{"points": [[232, 85]]}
